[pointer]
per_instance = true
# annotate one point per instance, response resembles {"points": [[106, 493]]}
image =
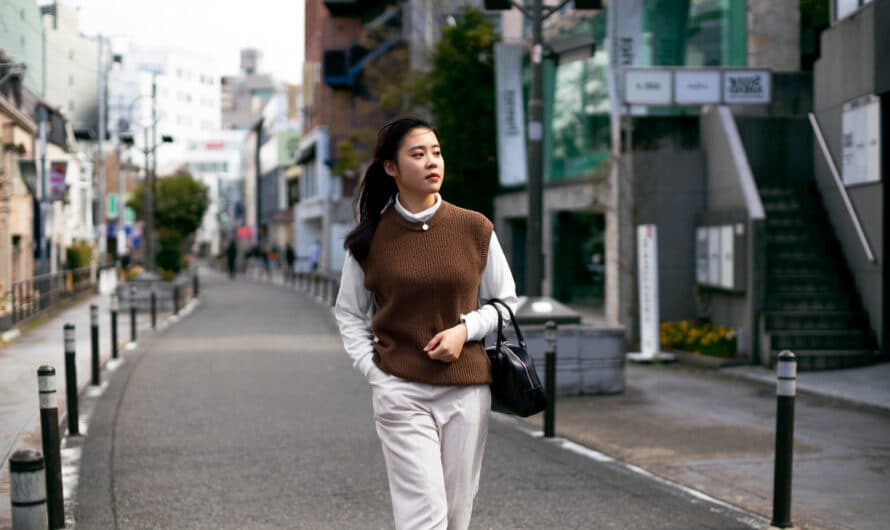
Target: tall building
{"points": [[22, 40], [72, 66], [244, 96], [186, 100]]}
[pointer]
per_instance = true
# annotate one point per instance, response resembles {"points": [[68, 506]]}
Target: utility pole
{"points": [[100, 155], [41, 240], [534, 257], [154, 168]]}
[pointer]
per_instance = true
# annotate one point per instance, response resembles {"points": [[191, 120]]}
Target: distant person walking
{"points": [[314, 255], [422, 266], [231, 257], [289, 258]]}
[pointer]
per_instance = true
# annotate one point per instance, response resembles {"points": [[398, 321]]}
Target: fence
{"points": [[33, 296]]}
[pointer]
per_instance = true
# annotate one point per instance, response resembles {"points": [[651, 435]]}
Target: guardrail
{"points": [[29, 298], [842, 190]]}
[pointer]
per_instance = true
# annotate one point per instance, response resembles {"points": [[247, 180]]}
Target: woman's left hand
{"points": [[447, 345]]}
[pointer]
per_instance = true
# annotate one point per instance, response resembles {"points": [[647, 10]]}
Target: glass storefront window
{"points": [[694, 33], [577, 99]]}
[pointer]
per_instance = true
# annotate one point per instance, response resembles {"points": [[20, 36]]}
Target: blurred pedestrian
{"points": [[231, 257], [314, 255], [416, 270], [290, 257]]}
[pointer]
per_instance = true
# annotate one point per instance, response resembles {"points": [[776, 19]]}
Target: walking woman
{"points": [[417, 271]]}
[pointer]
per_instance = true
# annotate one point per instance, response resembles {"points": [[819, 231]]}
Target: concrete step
{"points": [[814, 360], [810, 302], [813, 320], [812, 283], [853, 339]]}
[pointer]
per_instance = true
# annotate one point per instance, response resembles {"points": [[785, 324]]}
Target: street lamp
{"points": [[575, 47]]}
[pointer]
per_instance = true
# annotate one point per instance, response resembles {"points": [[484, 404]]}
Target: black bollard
{"points": [[71, 381], [175, 300], [785, 392], [132, 314], [94, 343], [550, 379], [154, 309], [196, 288], [27, 491], [114, 308], [49, 430]]}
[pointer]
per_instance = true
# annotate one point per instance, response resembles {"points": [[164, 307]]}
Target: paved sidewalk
{"points": [[41, 343]]}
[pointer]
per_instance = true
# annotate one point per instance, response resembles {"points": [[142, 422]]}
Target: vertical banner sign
{"points": [[647, 260], [861, 148], [512, 165], [57, 171]]}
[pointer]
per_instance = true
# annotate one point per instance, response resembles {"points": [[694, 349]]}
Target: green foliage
{"points": [[354, 150], [699, 337], [459, 92], [181, 204], [78, 255]]}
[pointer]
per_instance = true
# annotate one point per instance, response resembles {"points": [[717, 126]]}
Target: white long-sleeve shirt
{"points": [[355, 304]]}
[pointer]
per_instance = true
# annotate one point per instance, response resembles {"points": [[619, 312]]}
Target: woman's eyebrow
{"points": [[433, 146]]}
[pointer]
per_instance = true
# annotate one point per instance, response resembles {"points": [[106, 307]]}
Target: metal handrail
{"points": [[33, 296], [841, 188]]}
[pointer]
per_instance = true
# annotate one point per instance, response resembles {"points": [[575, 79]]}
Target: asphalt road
{"points": [[247, 414]]}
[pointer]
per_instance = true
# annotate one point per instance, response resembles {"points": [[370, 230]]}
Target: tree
{"points": [[459, 91], [181, 204]]}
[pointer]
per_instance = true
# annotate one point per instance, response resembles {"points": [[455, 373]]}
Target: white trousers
{"points": [[433, 438]]}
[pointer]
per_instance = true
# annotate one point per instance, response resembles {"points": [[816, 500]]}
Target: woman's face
{"points": [[419, 168]]}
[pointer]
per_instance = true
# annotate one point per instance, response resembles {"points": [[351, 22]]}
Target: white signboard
{"points": [[727, 263], [861, 143], [512, 165], [696, 87], [647, 260], [648, 87], [701, 255], [746, 86]]}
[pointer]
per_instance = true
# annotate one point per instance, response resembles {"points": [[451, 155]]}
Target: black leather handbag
{"points": [[515, 388]]}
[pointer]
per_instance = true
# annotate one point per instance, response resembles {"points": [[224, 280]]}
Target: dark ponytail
{"points": [[377, 188]]}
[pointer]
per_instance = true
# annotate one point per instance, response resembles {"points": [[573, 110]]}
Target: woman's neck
{"points": [[417, 204]]}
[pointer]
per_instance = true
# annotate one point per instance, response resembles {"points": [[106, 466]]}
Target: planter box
{"points": [[142, 288], [589, 359]]}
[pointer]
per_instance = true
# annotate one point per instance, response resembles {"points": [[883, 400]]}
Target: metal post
{"points": [[132, 314], [114, 307], [196, 288], [27, 491], [154, 310], [533, 259], [550, 379], [71, 380], [785, 392], [148, 214], [175, 300], [49, 430], [100, 154], [153, 178], [94, 343]]}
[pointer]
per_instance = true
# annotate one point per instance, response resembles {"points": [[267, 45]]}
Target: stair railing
{"points": [[841, 188]]}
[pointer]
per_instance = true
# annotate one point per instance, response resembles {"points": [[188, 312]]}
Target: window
{"points": [[846, 7]]}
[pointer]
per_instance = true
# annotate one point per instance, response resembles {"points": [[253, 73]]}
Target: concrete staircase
{"points": [[812, 306]]}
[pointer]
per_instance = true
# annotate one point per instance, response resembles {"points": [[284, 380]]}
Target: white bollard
{"points": [[27, 490]]}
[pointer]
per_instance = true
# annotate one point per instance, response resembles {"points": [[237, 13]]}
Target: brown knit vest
{"points": [[422, 281]]}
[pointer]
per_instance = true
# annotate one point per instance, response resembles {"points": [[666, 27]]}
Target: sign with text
{"points": [[695, 86], [512, 165], [861, 143], [648, 87], [746, 86]]}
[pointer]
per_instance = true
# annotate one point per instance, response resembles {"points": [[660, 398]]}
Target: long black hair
{"points": [[377, 188]]}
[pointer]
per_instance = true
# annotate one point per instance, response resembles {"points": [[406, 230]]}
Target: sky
{"points": [[219, 28]]}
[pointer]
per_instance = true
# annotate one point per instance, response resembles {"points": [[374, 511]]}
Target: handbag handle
{"points": [[494, 302]]}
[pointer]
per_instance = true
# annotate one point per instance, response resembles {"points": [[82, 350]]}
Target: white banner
{"points": [[861, 146], [647, 261], [512, 161]]}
